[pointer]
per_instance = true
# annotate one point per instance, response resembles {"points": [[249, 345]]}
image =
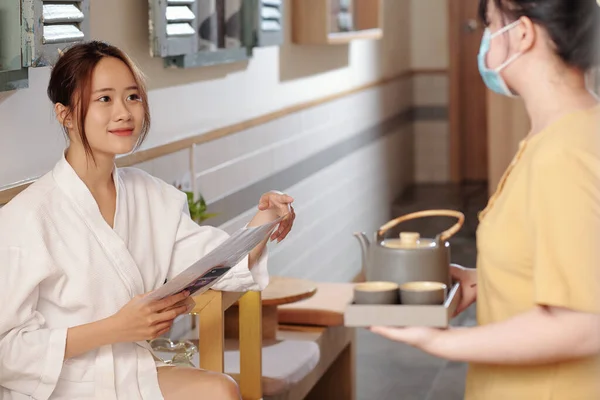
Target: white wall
{"points": [[353, 192], [188, 102], [430, 60]]}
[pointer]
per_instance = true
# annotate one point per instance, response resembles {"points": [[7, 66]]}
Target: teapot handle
{"points": [[427, 213]]}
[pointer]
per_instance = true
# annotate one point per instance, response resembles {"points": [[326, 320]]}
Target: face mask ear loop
{"points": [[514, 56], [505, 63], [506, 28]]}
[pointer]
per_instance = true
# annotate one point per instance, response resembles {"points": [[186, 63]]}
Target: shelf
{"points": [[319, 22]]}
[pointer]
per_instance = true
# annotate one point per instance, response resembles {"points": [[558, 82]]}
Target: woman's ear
{"points": [[62, 115], [527, 34]]}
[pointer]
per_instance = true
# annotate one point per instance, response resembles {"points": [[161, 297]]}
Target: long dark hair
{"points": [[573, 25], [71, 79]]}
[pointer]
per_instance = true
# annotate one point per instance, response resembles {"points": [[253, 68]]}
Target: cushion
{"points": [[325, 308], [284, 364]]}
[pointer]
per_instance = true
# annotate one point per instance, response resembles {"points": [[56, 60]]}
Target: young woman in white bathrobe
{"points": [[83, 244]]}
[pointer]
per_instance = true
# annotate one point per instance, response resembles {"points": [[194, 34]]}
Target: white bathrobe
{"points": [[61, 265]]}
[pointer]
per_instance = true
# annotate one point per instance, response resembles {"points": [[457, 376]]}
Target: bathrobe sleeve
{"points": [[193, 241], [31, 355]]}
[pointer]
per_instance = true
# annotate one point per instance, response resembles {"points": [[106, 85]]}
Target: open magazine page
{"points": [[200, 276]]}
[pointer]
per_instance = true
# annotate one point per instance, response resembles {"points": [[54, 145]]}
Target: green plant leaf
{"points": [[204, 217], [198, 208]]}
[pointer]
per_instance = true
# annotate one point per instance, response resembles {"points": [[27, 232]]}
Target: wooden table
{"points": [[281, 290]]}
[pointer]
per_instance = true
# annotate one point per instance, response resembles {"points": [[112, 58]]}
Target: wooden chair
{"points": [[210, 309], [314, 322]]}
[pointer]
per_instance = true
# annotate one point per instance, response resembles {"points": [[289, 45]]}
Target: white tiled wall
{"points": [[239, 160], [351, 195], [354, 193], [432, 158], [171, 168]]}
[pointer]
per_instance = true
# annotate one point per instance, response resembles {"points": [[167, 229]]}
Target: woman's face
{"points": [[115, 116]]}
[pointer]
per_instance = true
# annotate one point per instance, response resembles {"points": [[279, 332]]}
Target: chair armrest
{"points": [[250, 320], [203, 300], [210, 308]]}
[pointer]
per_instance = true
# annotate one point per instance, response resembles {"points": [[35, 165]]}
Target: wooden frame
{"points": [[210, 309], [507, 122], [311, 22], [470, 158], [455, 155]]}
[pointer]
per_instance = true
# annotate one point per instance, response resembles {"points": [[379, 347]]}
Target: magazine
{"points": [[201, 275]]}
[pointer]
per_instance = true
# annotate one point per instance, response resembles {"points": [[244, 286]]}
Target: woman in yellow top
{"points": [[537, 281]]}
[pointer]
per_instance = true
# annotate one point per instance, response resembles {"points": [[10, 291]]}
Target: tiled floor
{"points": [[389, 370]]}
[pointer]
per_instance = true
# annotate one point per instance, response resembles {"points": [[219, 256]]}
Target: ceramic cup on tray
{"points": [[376, 293], [423, 293]]}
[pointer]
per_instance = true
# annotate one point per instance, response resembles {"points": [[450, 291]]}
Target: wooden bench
{"points": [[334, 375], [320, 319]]}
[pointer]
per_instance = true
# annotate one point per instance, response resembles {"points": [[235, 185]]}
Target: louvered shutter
{"points": [[270, 23], [173, 27], [50, 26], [12, 75]]}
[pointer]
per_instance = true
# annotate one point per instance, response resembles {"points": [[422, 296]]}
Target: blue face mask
{"points": [[492, 77]]}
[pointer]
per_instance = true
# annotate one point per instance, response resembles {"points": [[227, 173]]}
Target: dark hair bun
{"points": [[573, 25]]}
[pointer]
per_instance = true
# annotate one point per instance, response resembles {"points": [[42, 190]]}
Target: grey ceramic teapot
{"points": [[410, 257]]}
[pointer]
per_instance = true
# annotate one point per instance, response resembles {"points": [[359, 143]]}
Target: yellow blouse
{"points": [[539, 244]]}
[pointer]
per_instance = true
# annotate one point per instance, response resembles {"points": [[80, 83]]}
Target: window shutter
{"points": [[12, 75], [50, 26], [173, 27], [270, 23]]}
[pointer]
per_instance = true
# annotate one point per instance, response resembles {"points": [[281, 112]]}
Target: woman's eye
{"points": [[104, 99], [134, 97]]}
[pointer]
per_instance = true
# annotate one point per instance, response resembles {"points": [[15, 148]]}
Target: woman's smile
{"points": [[122, 131]]}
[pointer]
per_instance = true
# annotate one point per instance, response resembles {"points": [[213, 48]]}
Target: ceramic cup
{"points": [[376, 293], [423, 292]]}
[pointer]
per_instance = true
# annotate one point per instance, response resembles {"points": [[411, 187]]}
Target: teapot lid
{"points": [[409, 240]]}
